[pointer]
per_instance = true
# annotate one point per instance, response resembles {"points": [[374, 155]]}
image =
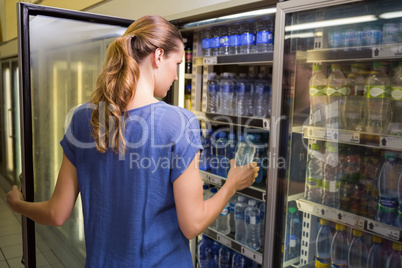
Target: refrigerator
{"points": [[340, 141]]}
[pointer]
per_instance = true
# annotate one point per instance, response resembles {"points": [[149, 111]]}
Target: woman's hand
{"points": [[14, 196], [242, 176]]}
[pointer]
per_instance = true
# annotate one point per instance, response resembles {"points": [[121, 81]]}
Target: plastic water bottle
{"points": [[398, 221], [395, 125], [337, 92], [261, 207], [223, 164], [355, 102], [265, 36], [225, 257], [258, 157], [239, 261], [323, 245], [206, 43], [240, 219], [318, 97], [214, 158], [204, 255], [314, 174], [245, 151], [230, 152], [242, 95], [395, 259], [234, 39], [377, 255], [332, 175], [226, 94], [223, 224], [215, 247], [350, 187], [206, 192], [292, 249], [215, 41], [203, 164], [213, 94], [387, 189], [232, 204], [357, 256], [215, 223], [339, 247], [207, 148], [377, 99], [223, 41], [253, 225], [247, 39], [262, 94]]}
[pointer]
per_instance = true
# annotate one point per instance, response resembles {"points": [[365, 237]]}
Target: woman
{"points": [[134, 160]]}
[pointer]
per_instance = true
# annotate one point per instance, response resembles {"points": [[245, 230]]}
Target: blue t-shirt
{"points": [[129, 210]]}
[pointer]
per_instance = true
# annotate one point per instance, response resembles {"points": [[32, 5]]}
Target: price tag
{"points": [[346, 136], [383, 230], [351, 220], [223, 240], [210, 60], [391, 142], [387, 51], [251, 254], [215, 180]]}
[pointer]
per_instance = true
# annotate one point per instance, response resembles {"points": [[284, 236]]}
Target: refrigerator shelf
{"points": [[252, 58], [253, 192], [230, 242], [382, 141], [355, 53], [233, 120], [350, 219]]}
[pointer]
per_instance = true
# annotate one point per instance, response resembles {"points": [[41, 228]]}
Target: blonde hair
{"points": [[117, 82]]}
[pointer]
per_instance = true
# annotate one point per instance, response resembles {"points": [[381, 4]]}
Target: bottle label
{"points": [[322, 262], [252, 220], [264, 37], [247, 39], [317, 91], [314, 183], [234, 40], [214, 42], [226, 88], [396, 93], [225, 211], [292, 241], [388, 204], [379, 92], [206, 43], [224, 41], [331, 186], [343, 91]]}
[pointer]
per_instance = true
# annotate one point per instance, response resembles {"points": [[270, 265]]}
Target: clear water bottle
{"points": [[206, 192], [340, 247], [242, 95], [377, 99], [387, 189], [265, 35], [377, 255], [215, 247], [206, 43], [204, 255], [314, 174], [223, 164], [247, 39], [355, 102], [215, 41], [225, 257], [259, 157], [292, 248], [373, 171], [337, 92], [332, 176], [318, 97], [323, 245], [357, 256], [395, 124], [223, 224], [390, 32], [235, 85], [213, 94], [239, 261], [234, 39], [262, 94], [223, 41], [230, 152], [214, 158], [250, 100], [245, 151], [395, 259], [253, 225], [226, 94], [261, 207], [240, 219], [215, 223], [203, 165], [232, 204], [207, 147]]}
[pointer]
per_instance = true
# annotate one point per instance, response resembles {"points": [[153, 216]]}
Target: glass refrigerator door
{"points": [[339, 79], [61, 53]]}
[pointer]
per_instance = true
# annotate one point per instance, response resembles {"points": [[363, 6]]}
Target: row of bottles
{"points": [[242, 218], [220, 147], [241, 96], [248, 37], [336, 248], [370, 34], [211, 254], [372, 104], [363, 181]]}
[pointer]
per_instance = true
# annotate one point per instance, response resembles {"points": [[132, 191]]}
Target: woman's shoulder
{"points": [[175, 113]]}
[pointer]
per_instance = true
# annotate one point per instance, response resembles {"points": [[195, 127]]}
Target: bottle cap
{"points": [[377, 239], [315, 146], [397, 246], [222, 134], [232, 136], [335, 66], [252, 202], [324, 221], [377, 64], [317, 68], [205, 187], [357, 233], [241, 198], [214, 190], [250, 137], [292, 210], [390, 154], [333, 149], [339, 227]]}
